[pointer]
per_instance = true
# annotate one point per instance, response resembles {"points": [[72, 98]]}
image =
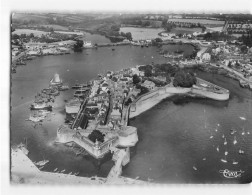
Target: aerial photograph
{"points": [[130, 97]]}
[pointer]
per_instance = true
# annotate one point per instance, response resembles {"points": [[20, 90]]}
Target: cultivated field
{"points": [[209, 23]]}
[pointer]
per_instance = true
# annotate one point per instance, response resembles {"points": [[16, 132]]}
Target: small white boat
{"points": [[218, 124], [216, 130], [234, 162], [195, 168], [218, 149], [204, 159], [211, 137], [248, 132], [70, 173], [223, 136], [232, 131], [225, 142], [55, 169], [241, 152], [42, 162], [41, 167], [235, 141], [223, 160], [76, 173], [242, 118], [226, 153], [63, 171]]}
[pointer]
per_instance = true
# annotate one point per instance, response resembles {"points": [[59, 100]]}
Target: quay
{"points": [[23, 171]]}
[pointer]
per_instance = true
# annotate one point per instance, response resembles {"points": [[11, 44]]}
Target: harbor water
{"points": [[174, 137]]}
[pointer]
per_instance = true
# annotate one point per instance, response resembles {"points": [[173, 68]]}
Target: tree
{"points": [[15, 36], [158, 40], [148, 73], [78, 45], [184, 79], [114, 79], [244, 49], [128, 36], [136, 79], [31, 35], [129, 101], [96, 135], [203, 29]]}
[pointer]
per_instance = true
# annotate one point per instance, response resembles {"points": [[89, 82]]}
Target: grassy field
{"points": [[208, 23], [28, 32], [55, 26], [179, 30], [142, 33]]}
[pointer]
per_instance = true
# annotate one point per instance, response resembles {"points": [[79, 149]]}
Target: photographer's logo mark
{"points": [[231, 174]]}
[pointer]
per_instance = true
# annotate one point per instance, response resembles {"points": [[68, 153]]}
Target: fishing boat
{"points": [[76, 173], [195, 168], [223, 160], [235, 141], [36, 119], [56, 81], [70, 173], [41, 106], [211, 137], [44, 112], [226, 153], [55, 169], [218, 149], [53, 91], [82, 89], [204, 159], [77, 86], [23, 148], [80, 94], [42, 162], [63, 88], [234, 162]]}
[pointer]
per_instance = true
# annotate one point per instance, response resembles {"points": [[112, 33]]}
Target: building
{"points": [[149, 84], [206, 57]]}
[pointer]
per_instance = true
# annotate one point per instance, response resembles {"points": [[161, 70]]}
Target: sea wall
{"points": [[147, 101]]}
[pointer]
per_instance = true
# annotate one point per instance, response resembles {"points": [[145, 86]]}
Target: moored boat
{"points": [[56, 81], [42, 162], [63, 87], [41, 106]]}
